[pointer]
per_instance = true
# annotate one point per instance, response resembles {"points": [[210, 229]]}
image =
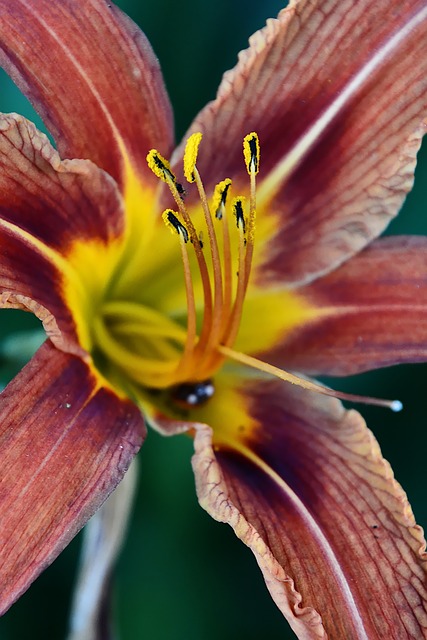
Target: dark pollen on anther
{"points": [[240, 218], [254, 152], [177, 225]]}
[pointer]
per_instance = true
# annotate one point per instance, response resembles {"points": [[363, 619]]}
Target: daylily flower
{"points": [[191, 331]]}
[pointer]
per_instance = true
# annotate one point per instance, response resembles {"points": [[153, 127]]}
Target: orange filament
{"points": [[215, 328], [219, 202]]}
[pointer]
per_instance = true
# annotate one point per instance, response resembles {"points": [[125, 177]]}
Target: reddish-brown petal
{"points": [[48, 206], [56, 201], [337, 92], [332, 531], [372, 312], [91, 74], [66, 442], [30, 281]]}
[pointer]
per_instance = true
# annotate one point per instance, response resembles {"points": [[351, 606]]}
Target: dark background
{"points": [[182, 575]]}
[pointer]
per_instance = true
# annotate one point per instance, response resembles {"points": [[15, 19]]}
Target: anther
{"points": [[220, 198], [238, 212], [190, 155], [171, 220], [251, 152], [161, 168]]}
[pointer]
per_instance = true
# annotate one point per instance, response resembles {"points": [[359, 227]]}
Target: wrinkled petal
{"points": [[60, 225], [91, 74], [371, 312], [339, 125], [55, 201], [308, 491], [66, 442]]}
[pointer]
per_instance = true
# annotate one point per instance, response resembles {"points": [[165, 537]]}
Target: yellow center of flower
{"points": [[158, 351]]}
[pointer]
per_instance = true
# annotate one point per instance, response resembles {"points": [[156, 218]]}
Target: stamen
{"points": [[242, 279], [161, 167], [190, 155], [254, 363], [251, 152], [219, 201], [192, 175], [220, 198], [238, 212], [213, 244], [162, 170], [171, 221]]}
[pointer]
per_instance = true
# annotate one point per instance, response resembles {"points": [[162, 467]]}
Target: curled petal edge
{"points": [[213, 497]]}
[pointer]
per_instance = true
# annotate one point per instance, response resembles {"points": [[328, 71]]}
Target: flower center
{"points": [[155, 350]]}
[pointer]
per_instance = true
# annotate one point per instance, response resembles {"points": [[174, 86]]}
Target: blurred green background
{"points": [[182, 575]]}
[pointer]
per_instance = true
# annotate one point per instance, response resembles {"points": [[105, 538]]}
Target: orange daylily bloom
{"points": [[187, 328]]}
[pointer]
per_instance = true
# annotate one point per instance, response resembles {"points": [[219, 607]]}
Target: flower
{"points": [[137, 317]]}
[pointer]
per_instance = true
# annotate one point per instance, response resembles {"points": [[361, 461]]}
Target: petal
{"points": [[308, 491], [66, 442], [102, 543], [339, 125], [371, 312], [60, 222], [55, 201], [29, 281], [91, 74]]}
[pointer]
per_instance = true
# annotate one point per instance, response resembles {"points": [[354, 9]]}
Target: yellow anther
{"points": [[238, 210], [220, 197], [251, 152], [190, 155], [171, 220], [160, 166]]}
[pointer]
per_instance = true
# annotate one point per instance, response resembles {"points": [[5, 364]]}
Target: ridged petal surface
{"points": [[65, 443], [337, 92], [371, 312], [332, 531], [91, 74], [47, 207]]}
